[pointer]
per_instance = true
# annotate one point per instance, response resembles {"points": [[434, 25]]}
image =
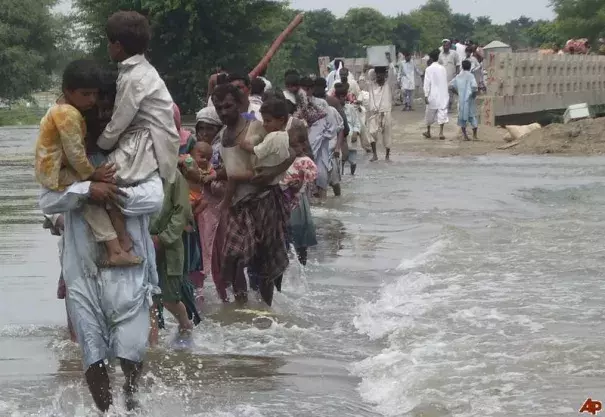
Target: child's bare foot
{"points": [[121, 259], [118, 256], [126, 243]]}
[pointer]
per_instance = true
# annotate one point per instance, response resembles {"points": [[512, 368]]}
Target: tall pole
{"points": [[276, 45]]}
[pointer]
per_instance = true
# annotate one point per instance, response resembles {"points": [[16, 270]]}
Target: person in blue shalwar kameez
{"points": [[465, 85]]}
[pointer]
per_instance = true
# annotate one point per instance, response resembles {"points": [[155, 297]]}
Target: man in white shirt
{"points": [[436, 95], [334, 75], [347, 77], [379, 109], [407, 79], [451, 61], [460, 49]]}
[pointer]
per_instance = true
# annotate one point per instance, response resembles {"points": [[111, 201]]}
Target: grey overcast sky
{"points": [[499, 10]]}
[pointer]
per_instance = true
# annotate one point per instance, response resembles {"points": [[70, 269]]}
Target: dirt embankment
{"points": [[584, 137]]}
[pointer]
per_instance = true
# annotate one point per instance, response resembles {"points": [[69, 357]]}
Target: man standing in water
{"points": [[258, 216], [110, 307]]}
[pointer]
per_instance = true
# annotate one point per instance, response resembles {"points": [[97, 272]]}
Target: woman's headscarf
{"points": [[183, 133], [208, 115]]}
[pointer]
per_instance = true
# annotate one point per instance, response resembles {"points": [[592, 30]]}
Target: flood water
{"points": [[441, 287]]}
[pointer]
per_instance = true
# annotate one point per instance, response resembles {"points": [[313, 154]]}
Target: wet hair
{"points": [[276, 108], [292, 80], [131, 29], [380, 70], [468, 49], [337, 63], [341, 89], [434, 55], [239, 77], [257, 86], [466, 65], [306, 82], [222, 91], [82, 73]]}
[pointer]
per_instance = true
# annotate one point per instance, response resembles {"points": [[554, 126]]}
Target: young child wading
{"points": [[61, 158]]}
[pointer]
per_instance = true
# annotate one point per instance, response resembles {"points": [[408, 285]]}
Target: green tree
{"points": [[68, 44], [463, 26], [486, 31], [545, 34], [27, 47], [580, 18], [364, 27], [406, 35], [191, 37]]}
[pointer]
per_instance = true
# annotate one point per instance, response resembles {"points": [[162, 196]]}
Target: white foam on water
{"points": [[74, 401], [454, 343], [425, 256]]}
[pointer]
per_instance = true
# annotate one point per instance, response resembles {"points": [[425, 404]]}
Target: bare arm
{"points": [[211, 84], [229, 193]]}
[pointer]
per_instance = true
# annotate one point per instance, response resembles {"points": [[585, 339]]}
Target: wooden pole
{"points": [[276, 45]]}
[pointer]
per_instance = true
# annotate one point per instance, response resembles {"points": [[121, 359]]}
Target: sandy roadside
{"points": [[586, 137]]}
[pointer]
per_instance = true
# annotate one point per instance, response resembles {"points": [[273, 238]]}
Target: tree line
{"points": [[192, 37]]}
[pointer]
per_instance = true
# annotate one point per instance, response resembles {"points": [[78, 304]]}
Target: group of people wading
{"points": [[146, 209]]}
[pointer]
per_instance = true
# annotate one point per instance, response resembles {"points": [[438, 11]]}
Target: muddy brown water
{"points": [[440, 287]]}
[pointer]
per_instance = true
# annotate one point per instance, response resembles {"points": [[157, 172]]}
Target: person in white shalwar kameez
{"points": [[436, 95], [407, 79], [109, 308], [380, 103], [334, 75]]}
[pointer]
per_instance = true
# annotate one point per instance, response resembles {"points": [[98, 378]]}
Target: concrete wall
{"points": [[355, 65], [519, 83]]}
